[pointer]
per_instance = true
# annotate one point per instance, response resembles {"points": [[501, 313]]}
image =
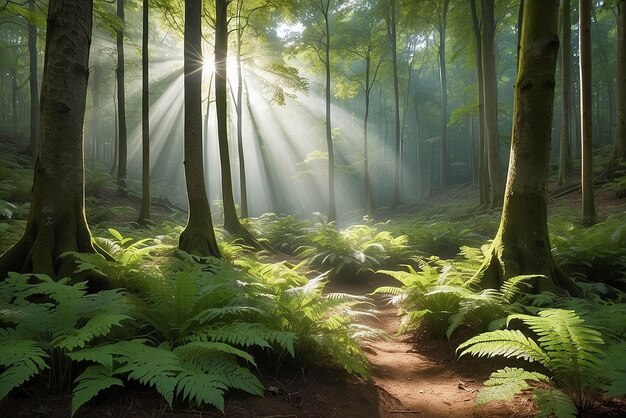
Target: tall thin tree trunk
{"points": [[367, 196], [619, 142], [589, 209], [443, 80], [145, 209], [483, 172], [243, 189], [198, 236], [491, 103], [33, 83], [565, 156], [332, 205], [231, 221], [391, 32], [121, 104]]}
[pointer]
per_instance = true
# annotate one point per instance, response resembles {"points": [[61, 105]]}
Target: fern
{"points": [[90, 382], [506, 383], [565, 346], [21, 359], [553, 403]]}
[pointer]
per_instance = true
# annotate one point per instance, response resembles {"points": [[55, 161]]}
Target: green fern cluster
{"points": [[576, 368], [596, 253], [348, 252], [442, 296], [44, 321]]}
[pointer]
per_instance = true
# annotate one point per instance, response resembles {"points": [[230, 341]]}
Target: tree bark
{"points": [[619, 143], [198, 237], [145, 209], [588, 209], [367, 194], [565, 155], [491, 104], [56, 223], [332, 205], [243, 188], [443, 80], [391, 31], [33, 83], [483, 172], [231, 221], [522, 244], [121, 105]]}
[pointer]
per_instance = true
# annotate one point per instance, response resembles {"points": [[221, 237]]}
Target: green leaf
{"points": [[505, 383], [90, 383], [22, 359]]}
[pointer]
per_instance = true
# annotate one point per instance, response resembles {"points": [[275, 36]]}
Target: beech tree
{"points": [[56, 222], [522, 244], [198, 237]]}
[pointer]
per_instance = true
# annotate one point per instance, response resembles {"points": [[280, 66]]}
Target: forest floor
{"points": [[410, 377]]}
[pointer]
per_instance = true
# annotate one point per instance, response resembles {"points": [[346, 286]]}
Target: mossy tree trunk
{"points": [[198, 237], [56, 223], [522, 245], [443, 83]]}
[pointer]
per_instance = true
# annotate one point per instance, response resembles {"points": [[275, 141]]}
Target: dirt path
{"points": [[424, 380]]}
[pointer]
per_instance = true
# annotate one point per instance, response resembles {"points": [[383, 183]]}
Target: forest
{"points": [[313, 208]]}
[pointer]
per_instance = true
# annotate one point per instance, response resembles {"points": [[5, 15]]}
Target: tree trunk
{"points": [[121, 105], [239, 107], [565, 155], [391, 32], [443, 79], [332, 205], [198, 236], [56, 223], [589, 210], [367, 194], [483, 173], [231, 221], [145, 209], [33, 83], [522, 245], [619, 144], [491, 104]]}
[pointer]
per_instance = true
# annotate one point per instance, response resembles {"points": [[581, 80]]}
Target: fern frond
{"points": [[568, 342], [22, 359], [197, 352], [97, 326], [505, 343], [553, 403], [90, 383], [151, 366], [202, 388], [246, 335], [505, 383]]}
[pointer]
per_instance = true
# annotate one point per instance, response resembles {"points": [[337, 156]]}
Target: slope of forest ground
{"points": [[411, 375]]}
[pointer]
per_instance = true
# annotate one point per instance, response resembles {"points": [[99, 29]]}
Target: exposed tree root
{"points": [[198, 239], [506, 261], [45, 249]]}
